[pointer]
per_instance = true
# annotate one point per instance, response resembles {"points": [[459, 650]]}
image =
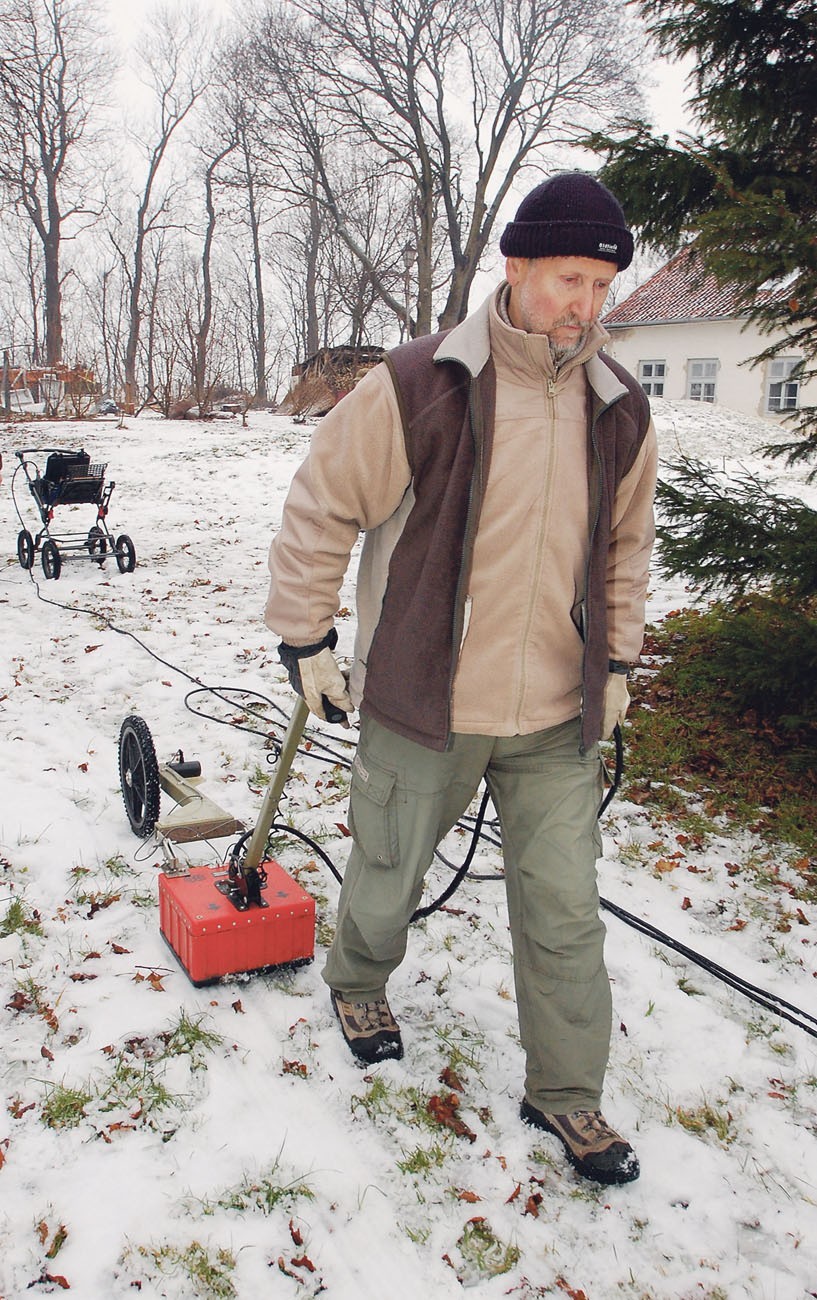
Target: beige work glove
{"points": [[616, 703], [314, 673], [323, 681]]}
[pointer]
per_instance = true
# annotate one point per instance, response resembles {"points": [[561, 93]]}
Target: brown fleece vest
{"points": [[448, 427]]}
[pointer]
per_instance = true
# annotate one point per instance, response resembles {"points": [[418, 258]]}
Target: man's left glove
{"points": [[616, 703], [314, 674]]}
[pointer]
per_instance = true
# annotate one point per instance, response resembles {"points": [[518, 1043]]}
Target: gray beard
{"points": [[566, 353]]}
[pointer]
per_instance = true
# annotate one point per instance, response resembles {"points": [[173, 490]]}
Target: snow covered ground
{"points": [[165, 1140]]}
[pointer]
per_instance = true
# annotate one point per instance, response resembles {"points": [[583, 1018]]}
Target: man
{"points": [[503, 473]]}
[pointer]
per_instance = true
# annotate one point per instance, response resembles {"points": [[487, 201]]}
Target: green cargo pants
{"points": [[404, 800]]}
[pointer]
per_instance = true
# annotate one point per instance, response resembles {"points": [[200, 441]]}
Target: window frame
{"points": [[653, 384], [783, 383], [707, 379]]}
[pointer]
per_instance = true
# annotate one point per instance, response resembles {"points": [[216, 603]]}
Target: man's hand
{"points": [[315, 675], [616, 703]]}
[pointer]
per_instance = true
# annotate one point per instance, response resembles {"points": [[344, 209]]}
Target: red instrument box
{"points": [[212, 938]]}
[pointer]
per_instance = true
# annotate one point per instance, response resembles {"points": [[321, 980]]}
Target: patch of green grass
{"points": [[324, 932], [764, 1027], [418, 1235], [483, 1253], [206, 1272], [704, 1119], [138, 1089], [19, 920], [274, 1189], [260, 776], [463, 1046], [410, 1104], [634, 854], [118, 867], [423, 1160], [378, 1098], [140, 898], [64, 1107], [188, 1037]]}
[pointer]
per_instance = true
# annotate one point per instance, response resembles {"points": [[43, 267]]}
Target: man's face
{"points": [[559, 297]]}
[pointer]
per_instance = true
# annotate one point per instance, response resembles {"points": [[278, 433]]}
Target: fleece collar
{"points": [[469, 344]]}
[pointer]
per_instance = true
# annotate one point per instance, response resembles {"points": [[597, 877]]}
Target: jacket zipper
{"points": [[547, 484]]}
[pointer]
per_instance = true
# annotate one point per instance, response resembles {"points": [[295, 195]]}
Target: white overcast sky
{"points": [[665, 98]]}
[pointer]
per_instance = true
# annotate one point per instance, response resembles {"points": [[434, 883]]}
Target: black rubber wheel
{"points": [[125, 554], [139, 775], [51, 560], [97, 543], [25, 549]]}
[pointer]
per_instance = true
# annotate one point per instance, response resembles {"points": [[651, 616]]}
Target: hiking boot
{"points": [[369, 1028], [592, 1147]]}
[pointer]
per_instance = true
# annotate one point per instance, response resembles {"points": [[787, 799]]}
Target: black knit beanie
{"points": [[570, 215]]}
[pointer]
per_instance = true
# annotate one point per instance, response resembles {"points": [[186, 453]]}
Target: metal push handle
{"points": [[272, 798]]}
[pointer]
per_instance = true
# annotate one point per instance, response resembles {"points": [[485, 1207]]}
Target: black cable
{"points": [[765, 999], [220, 693], [461, 871], [283, 828]]}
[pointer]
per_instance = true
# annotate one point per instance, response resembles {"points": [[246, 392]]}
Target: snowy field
{"points": [[164, 1140]]}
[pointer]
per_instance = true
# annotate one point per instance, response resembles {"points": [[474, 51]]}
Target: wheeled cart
{"points": [[68, 478]]}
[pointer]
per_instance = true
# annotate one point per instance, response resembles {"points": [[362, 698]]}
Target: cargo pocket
{"points": [[373, 813]]}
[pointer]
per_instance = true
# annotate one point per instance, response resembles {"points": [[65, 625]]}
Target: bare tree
{"points": [[173, 62], [200, 330], [453, 97], [248, 189], [53, 66]]}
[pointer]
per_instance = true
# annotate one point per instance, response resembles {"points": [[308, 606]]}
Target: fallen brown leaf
{"points": [[451, 1079], [444, 1109], [574, 1294], [303, 1261]]}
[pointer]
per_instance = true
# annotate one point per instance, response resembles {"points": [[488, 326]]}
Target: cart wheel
{"points": [[25, 549], [139, 775], [51, 561], [125, 554], [97, 543]]}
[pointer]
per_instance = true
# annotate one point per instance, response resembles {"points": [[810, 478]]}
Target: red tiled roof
{"points": [[680, 291]]}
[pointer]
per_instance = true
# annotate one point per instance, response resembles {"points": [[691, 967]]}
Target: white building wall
{"points": [[739, 386]]}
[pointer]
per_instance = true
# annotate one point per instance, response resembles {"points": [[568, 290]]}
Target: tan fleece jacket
{"points": [[520, 664]]}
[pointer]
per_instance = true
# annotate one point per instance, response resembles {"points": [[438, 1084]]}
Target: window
{"points": [[784, 387], [651, 375], [702, 377]]}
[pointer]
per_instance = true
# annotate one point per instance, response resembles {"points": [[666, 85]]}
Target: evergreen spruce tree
{"points": [[742, 193]]}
